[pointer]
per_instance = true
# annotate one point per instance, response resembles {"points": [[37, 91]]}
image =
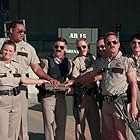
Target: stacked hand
{"points": [[42, 81], [55, 83]]}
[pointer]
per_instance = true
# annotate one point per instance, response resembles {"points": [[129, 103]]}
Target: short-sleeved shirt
{"points": [[81, 64], [137, 61], [25, 54], [10, 76], [115, 74]]}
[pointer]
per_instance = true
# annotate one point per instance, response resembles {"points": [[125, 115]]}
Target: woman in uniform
{"points": [[11, 75]]}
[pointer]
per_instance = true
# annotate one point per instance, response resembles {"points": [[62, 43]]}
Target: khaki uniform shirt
{"points": [[115, 74], [137, 61], [10, 76], [81, 64], [25, 54]]}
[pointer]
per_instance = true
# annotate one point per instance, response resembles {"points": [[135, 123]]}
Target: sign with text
{"points": [[71, 34]]}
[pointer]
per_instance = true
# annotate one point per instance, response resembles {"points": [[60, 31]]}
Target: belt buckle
{"points": [[10, 92]]}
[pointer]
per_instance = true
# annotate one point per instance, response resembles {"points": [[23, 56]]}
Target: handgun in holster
{"points": [[41, 92]]}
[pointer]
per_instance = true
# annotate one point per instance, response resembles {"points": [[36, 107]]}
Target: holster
{"points": [[41, 92]]}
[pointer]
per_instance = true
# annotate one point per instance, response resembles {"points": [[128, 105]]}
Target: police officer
{"points": [[100, 46], [11, 75], [117, 72], [85, 106], [26, 56], [53, 102], [135, 46]]}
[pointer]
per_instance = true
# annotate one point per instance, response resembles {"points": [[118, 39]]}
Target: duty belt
{"points": [[23, 87], [12, 92], [109, 98]]}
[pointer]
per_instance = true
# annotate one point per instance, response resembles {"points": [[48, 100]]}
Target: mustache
{"points": [[58, 50]]}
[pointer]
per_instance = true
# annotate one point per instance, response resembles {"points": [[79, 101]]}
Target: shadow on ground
{"points": [[36, 107], [36, 136]]}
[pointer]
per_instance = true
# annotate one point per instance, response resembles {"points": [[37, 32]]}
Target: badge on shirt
{"points": [[118, 64], [22, 49], [16, 74]]}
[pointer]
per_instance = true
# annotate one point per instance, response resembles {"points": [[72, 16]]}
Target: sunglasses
{"points": [[83, 47], [112, 42], [57, 46], [21, 31], [135, 42], [101, 46]]}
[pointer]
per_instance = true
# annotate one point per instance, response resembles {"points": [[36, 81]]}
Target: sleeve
{"points": [[75, 69], [131, 66], [34, 58], [45, 61]]}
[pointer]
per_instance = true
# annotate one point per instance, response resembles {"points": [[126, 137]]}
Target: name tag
{"points": [[117, 70], [16, 74], [3, 75], [22, 54]]}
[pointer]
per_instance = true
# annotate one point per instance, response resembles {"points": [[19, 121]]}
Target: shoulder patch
{"points": [[131, 62]]}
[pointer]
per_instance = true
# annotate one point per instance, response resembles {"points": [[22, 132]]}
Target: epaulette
{"points": [[75, 57], [14, 61]]}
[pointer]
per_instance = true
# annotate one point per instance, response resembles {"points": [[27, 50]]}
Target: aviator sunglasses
{"points": [[21, 31], [101, 46], [61, 47], [112, 42], [83, 46]]}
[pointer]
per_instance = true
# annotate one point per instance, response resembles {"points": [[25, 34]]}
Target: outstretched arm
{"points": [[86, 78], [31, 81], [41, 74]]}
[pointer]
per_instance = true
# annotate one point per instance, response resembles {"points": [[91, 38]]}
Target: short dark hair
{"points": [[100, 38], [62, 40], [135, 36], [8, 42], [14, 23]]}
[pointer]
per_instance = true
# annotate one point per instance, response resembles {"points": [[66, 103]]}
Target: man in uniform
{"points": [[117, 72], [54, 110], [100, 46], [85, 106], [26, 56]]}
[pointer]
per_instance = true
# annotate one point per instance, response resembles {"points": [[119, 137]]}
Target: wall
{"points": [[45, 16]]}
